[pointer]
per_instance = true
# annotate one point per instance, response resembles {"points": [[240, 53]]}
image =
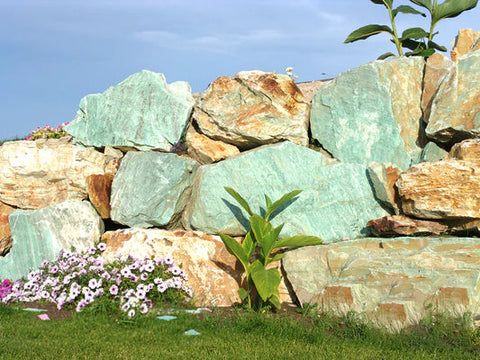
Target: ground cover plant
{"points": [[48, 132]]}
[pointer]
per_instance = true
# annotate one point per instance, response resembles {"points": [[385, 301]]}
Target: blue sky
{"points": [[54, 52]]}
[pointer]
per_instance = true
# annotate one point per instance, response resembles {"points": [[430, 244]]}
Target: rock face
{"points": [[468, 150], [455, 113], [441, 190], [400, 225], [432, 152], [383, 178], [310, 88], [99, 189], [142, 112], [36, 174], [253, 108], [372, 113], [5, 234], [466, 41], [151, 188], [212, 271], [389, 280], [40, 235], [336, 202]]}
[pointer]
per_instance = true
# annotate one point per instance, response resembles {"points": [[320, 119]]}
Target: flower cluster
{"points": [[5, 288], [76, 280], [47, 132]]}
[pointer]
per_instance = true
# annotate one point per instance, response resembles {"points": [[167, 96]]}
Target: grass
{"points": [[11, 139], [241, 335]]}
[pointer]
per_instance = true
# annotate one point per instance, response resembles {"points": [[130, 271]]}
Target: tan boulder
{"points": [[99, 189], [445, 189], [468, 150], [5, 234], [466, 41], [310, 88], [253, 108], [36, 174], [401, 225], [205, 150]]}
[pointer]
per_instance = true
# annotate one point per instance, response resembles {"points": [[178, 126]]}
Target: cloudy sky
{"points": [[54, 52]]}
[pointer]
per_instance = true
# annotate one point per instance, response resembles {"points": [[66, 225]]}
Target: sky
{"points": [[55, 52]]}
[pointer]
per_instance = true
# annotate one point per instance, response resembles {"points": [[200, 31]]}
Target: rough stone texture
{"points": [[336, 202], [468, 150], [212, 272], [401, 225], [5, 234], [253, 108], [383, 178], [392, 281], [36, 174], [205, 150], [466, 41], [437, 68], [99, 189], [432, 152], [372, 113], [114, 158], [310, 88], [441, 190], [151, 188], [142, 112], [455, 113], [40, 235]]}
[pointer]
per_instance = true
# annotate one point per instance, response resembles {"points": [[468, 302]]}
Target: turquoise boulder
{"points": [[336, 202], [142, 112]]}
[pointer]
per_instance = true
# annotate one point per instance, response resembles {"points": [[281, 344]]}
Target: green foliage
{"points": [[262, 282], [416, 40]]}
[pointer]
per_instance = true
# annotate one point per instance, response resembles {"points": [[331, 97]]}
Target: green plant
{"points": [[260, 280], [48, 132], [417, 40]]}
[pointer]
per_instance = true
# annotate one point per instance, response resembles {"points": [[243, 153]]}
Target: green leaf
{"points": [[427, 4], [385, 56], [234, 248], [266, 281], [264, 233], [414, 33], [405, 9], [248, 245], [275, 301], [280, 202], [386, 3], [242, 293], [278, 257], [367, 31], [239, 199], [413, 45], [426, 53], [451, 9], [268, 201], [435, 46], [297, 241]]}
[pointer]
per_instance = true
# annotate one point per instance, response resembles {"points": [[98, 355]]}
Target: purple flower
{"points": [[92, 284], [167, 260], [143, 276], [175, 270], [131, 313], [102, 246], [144, 308], [113, 290], [141, 294], [125, 307], [162, 287], [91, 251]]}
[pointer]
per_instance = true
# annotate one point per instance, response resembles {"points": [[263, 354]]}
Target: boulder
{"points": [[253, 108], [432, 152], [336, 202], [205, 150], [392, 281], [5, 233], [212, 272], [151, 188], [372, 113], [383, 178], [455, 112], [446, 189], [401, 225], [40, 235], [36, 174], [468, 150], [99, 189], [142, 112], [466, 41], [310, 88]]}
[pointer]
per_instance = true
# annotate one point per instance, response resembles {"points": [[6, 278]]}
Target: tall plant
{"points": [[262, 283], [417, 40]]}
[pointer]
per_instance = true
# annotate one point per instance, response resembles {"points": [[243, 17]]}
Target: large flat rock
{"points": [[336, 202], [142, 112], [150, 188], [372, 113], [40, 235]]}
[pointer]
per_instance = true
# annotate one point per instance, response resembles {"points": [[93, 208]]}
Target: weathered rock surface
{"points": [[372, 113], [142, 112], [205, 150], [441, 190], [253, 108], [468, 150], [310, 88], [5, 234], [401, 225], [437, 68], [466, 41], [336, 202], [455, 113], [99, 189], [432, 152], [36, 174], [40, 235], [212, 271], [383, 178], [151, 188], [392, 281]]}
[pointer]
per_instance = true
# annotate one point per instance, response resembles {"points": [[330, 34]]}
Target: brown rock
{"points": [[445, 189], [310, 88], [466, 41], [468, 150], [5, 234], [36, 174], [99, 189], [400, 225], [253, 108], [205, 150], [436, 69]]}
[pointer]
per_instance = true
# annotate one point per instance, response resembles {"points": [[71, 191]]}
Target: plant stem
{"points": [[394, 28]]}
